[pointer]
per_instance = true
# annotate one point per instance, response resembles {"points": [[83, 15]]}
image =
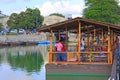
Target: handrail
{"points": [[89, 57]]}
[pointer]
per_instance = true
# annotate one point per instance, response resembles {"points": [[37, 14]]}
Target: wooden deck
{"points": [[79, 69]]}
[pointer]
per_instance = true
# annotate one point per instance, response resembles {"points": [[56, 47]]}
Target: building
{"points": [[53, 19], [3, 19]]}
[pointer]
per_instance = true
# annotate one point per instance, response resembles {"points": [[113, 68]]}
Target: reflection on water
{"points": [[31, 61], [28, 63], [23, 63]]}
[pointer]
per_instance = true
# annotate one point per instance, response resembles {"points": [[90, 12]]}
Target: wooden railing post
{"points": [[94, 34], [50, 53], [59, 35], [88, 37], [109, 47], [66, 38], [102, 36], [79, 40]]}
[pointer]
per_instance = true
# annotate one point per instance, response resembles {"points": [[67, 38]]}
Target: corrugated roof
{"points": [[73, 24]]}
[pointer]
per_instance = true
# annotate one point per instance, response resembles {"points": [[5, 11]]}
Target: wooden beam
{"points": [[88, 52], [109, 42], [66, 38], [109, 47], [50, 55], [102, 36], [51, 34], [79, 39], [88, 36], [59, 35], [111, 39], [94, 34]]}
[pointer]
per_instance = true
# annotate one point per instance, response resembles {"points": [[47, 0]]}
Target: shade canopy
{"points": [[72, 24]]}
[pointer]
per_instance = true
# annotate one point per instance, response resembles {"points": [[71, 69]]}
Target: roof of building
{"points": [[73, 24]]}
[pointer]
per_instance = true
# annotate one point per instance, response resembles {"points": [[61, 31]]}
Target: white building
{"points": [[53, 19], [3, 19]]}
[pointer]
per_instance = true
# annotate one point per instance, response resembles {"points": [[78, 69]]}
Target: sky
{"points": [[71, 8]]}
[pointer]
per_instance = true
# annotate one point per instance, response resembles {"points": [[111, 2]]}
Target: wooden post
{"points": [[66, 38], [113, 41], [51, 34], [109, 42], [66, 42], [109, 47], [94, 33], [50, 53], [102, 36], [94, 38], [59, 35], [88, 36], [79, 40]]}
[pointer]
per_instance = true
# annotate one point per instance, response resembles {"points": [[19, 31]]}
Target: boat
{"points": [[44, 42], [100, 40]]}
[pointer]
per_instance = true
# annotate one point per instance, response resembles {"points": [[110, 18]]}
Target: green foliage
{"points": [[57, 14], [102, 10], [27, 20]]}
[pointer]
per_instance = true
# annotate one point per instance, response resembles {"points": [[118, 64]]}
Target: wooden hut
{"points": [[99, 40]]}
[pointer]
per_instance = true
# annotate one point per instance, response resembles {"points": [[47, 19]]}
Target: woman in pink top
{"points": [[59, 47]]}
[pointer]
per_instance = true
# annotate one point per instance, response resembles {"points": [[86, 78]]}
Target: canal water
{"points": [[28, 63]]}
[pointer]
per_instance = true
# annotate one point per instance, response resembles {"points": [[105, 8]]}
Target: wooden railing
{"points": [[81, 58], [84, 57]]}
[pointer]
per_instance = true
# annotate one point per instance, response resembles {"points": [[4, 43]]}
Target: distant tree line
{"points": [[28, 19]]}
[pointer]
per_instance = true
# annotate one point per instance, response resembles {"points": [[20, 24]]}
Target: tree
{"points": [[102, 10], [13, 21], [26, 20], [58, 14]]}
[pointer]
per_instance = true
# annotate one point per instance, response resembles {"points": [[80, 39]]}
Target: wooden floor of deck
{"points": [[78, 69]]}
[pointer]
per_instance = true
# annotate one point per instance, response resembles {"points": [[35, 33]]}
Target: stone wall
{"points": [[23, 38]]}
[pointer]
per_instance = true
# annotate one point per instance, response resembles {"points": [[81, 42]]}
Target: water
{"points": [[28, 63], [23, 63]]}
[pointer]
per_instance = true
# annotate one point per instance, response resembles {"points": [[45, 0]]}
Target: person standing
{"points": [[59, 47]]}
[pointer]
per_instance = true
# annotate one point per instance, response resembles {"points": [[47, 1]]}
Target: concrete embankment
{"points": [[5, 39]]}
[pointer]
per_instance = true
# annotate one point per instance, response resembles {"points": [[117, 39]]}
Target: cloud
{"points": [[64, 7]]}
